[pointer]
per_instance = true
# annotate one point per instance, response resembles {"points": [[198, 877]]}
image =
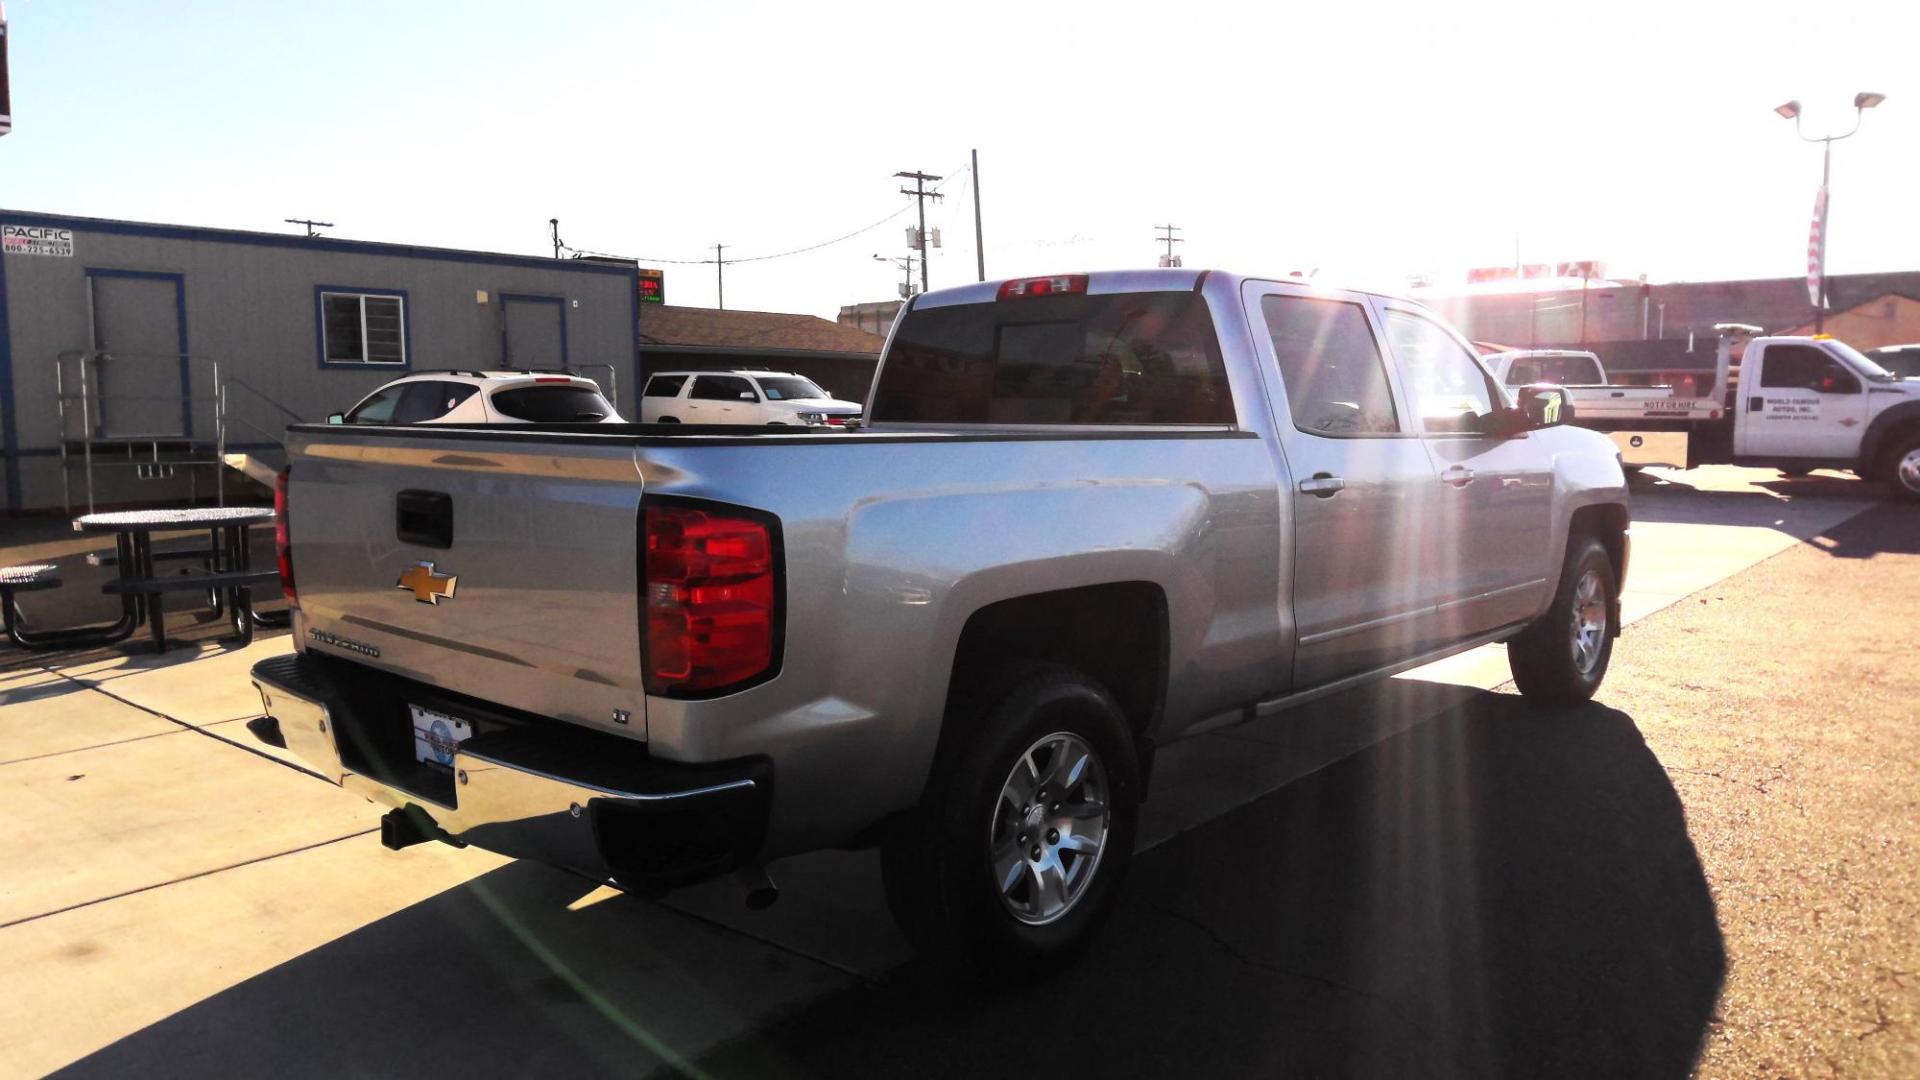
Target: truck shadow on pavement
{"points": [[1496, 890]]}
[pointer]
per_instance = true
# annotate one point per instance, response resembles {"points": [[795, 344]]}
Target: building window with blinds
{"points": [[363, 328]]}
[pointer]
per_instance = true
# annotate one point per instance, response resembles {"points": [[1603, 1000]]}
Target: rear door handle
{"points": [[1324, 485], [1459, 476]]}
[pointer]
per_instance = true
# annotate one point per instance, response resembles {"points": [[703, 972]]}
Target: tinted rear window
{"points": [[1124, 358], [665, 385], [552, 404], [1559, 370]]}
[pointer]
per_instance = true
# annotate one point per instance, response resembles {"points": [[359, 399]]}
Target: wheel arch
{"points": [[1117, 633], [1885, 430]]}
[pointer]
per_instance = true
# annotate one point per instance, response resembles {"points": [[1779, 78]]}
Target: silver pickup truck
{"points": [[1089, 514]]}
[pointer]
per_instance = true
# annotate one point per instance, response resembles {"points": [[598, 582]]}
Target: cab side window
{"points": [[722, 388], [1445, 385], [1803, 367], [377, 409], [423, 401], [1336, 381]]}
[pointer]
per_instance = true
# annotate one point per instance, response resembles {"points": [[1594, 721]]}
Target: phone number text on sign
{"points": [[36, 240]]}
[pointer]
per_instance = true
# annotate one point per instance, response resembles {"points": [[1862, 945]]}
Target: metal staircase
{"points": [[170, 439]]}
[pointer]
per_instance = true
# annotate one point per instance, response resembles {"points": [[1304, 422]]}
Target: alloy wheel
{"points": [[1049, 826], [1589, 622]]}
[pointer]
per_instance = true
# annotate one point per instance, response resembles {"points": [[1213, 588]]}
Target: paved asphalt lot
{"points": [[1714, 865]]}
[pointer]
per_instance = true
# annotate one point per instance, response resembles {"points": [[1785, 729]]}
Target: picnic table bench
{"points": [[229, 577]]}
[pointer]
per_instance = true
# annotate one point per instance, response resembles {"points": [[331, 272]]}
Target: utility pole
{"points": [[1169, 259], [921, 194], [720, 273], [309, 223], [553, 227], [906, 265], [979, 243], [1585, 270]]}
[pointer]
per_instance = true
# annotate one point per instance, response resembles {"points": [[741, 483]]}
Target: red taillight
{"points": [[710, 599], [1043, 286], [282, 542]]}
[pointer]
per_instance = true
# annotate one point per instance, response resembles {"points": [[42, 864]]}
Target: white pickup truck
{"points": [[1595, 400], [1794, 404]]}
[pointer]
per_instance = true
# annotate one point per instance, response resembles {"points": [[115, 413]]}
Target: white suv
{"points": [[742, 396], [483, 397]]}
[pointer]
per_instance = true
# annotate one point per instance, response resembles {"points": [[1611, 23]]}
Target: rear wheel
{"points": [[1562, 658], [1795, 473], [1026, 829], [669, 419]]}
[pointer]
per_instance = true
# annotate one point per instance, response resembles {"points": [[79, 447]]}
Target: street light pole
{"points": [[1791, 110]]}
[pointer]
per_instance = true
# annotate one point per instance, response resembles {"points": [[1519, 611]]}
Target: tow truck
{"points": [[1792, 403]]}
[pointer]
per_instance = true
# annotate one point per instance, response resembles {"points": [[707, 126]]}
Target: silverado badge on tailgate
{"points": [[427, 585]]}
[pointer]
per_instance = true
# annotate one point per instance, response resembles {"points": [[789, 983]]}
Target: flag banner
{"points": [[1817, 248]]}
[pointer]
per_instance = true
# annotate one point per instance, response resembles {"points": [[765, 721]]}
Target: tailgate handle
{"points": [[424, 518]]}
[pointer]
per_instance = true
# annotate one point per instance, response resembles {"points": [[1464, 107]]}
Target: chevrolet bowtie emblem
{"points": [[427, 585]]}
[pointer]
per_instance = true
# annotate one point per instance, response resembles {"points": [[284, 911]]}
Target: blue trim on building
{"points": [[7, 417], [531, 298], [232, 447], [311, 243], [320, 328], [179, 324]]}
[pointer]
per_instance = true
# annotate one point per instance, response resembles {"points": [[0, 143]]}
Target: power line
{"points": [[758, 258]]}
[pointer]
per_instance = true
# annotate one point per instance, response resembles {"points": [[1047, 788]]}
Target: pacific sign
{"points": [[36, 240]]}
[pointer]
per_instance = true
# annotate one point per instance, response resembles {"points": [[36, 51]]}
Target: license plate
{"points": [[435, 735]]}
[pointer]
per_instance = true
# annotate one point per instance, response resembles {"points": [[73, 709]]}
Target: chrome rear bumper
{"points": [[548, 791]]}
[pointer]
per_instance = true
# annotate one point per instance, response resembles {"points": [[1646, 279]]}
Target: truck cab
{"points": [[1814, 401]]}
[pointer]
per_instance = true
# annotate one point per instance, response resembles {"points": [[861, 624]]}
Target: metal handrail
{"points": [[89, 394], [251, 389]]}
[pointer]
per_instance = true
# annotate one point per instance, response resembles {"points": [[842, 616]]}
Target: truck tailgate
{"points": [[498, 568]]}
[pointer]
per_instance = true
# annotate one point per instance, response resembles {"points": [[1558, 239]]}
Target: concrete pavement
{"points": [[198, 887]]}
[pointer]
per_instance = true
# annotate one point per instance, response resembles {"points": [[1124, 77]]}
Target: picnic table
{"points": [[229, 578]]}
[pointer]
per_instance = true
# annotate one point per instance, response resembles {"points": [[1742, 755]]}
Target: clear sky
{"points": [[1370, 141]]}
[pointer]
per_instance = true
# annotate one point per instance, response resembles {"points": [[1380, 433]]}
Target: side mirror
{"points": [[337, 418], [1544, 406]]}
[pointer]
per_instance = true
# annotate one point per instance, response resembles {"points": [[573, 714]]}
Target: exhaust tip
{"points": [[761, 892]]}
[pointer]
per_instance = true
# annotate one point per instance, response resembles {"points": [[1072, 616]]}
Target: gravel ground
{"points": [[1711, 869], [1785, 705]]}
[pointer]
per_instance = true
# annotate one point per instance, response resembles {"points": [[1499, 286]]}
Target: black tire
{"points": [[1547, 664], [1795, 474], [1901, 467], [938, 867], [669, 419]]}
